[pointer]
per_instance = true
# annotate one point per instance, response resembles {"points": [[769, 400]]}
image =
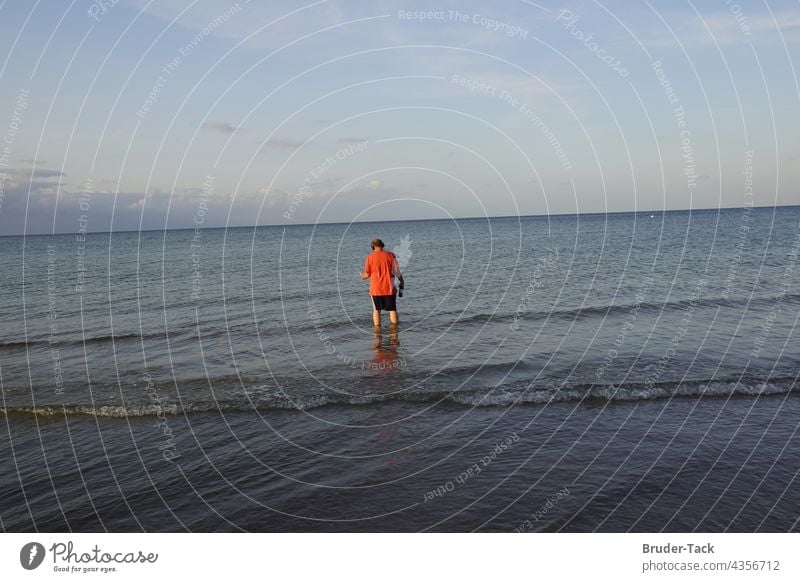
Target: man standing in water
{"points": [[381, 268]]}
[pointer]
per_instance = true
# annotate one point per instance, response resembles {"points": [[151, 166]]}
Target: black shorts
{"points": [[384, 302]]}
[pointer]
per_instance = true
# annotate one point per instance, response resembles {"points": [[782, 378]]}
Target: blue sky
{"points": [[173, 113]]}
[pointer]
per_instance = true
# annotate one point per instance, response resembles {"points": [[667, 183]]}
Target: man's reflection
{"points": [[386, 356], [388, 360]]}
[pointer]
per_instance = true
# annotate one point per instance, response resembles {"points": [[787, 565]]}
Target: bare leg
{"points": [[376, 318], [393, 317]]}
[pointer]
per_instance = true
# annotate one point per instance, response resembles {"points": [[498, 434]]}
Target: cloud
{"points": [[22, 174], [726, 28], [44, 174], [274, 24], [266, 25], [220, 126], [42, 207], [285, 143], [369, 189]]}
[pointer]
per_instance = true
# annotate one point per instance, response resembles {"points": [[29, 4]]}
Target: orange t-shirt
{"points": [[381, 266]]}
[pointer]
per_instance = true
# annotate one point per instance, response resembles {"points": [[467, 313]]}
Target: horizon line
{"points": [[660, 211]]}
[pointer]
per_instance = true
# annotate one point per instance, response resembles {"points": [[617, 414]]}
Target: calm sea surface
{"points": [[571, 373]]}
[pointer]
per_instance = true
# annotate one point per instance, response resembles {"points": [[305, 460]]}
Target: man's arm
{"points": [[397, 273], [366, 273]]}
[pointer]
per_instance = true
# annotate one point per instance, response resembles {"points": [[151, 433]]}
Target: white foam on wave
{"points": [[502, 396], [622, 393]]}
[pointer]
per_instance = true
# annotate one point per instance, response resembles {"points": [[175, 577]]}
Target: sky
{"points": [[139, 114]]}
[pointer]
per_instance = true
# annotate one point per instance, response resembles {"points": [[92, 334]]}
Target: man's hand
{"points": [[363, 275]]}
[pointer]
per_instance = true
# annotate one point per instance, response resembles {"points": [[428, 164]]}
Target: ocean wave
{"points": [[59, 342], [501, 397], [101, 339], [21, 344], [624, 308], [627, 393], [240, 327]]}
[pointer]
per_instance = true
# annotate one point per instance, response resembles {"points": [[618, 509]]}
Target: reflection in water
{"points": [[388, 360], [386, 356]]}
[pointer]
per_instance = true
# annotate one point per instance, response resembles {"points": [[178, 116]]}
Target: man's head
{"points": [[377, 244]]}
